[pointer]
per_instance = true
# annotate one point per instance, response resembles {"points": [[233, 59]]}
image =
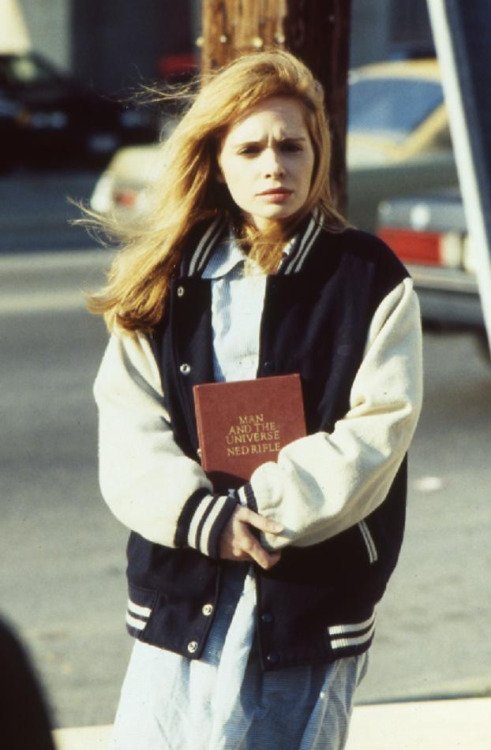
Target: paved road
{"points": [[61, 552], [62, 560], [37, 208]]}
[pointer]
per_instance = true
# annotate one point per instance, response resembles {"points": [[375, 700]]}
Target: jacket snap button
{"points": [[185, 369], [268, 367], [207, 609], [267, 617], [273, 658], [192, 647], [180, 291]]}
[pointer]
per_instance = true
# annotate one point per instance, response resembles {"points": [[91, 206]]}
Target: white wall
{"points": [[48, 23], [14, 36]]}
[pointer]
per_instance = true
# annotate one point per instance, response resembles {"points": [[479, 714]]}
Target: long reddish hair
{"points": [[188, 191]]}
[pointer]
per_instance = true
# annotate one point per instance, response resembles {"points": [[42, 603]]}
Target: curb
{"points": [[463, 724]]}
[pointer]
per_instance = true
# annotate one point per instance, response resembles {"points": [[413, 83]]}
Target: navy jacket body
{"points": [[315, 322]]}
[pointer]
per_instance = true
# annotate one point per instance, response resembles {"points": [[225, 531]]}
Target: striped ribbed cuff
{"points": [[247, 496], [203, 520]]}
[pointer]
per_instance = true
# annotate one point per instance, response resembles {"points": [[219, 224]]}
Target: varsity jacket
{"points": [[341, 312]]}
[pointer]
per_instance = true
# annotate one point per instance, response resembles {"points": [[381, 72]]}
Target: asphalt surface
{"points": [[37, 208], [62, 554]]}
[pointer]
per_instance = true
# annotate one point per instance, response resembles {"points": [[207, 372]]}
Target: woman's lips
{"points": [[276, 195]]}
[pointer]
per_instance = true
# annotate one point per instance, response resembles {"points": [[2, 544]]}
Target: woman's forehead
{"points": [[283, 117]]}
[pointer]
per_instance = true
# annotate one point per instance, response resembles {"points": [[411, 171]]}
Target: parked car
{"points": [[56, 118], [122, 189], [9, 114], [429, 234], [398, 143], [398, 136]]}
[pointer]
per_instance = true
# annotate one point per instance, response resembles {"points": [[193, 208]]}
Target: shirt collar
{"points": [[228, 256], [224, 259]]}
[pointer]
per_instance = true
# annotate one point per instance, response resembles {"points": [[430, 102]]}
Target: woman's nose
{"points": [[272, 163]]}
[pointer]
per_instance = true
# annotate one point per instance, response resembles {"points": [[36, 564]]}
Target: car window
{"points": [[392, 107], [25, 71]]}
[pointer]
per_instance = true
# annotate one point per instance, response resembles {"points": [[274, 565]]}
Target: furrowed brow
{"points": [[292, 138]]}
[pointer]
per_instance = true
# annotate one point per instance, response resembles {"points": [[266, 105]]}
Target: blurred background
{"points": [[71, 129]]}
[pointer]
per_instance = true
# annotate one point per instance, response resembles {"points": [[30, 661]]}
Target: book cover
{"points": [[245, 423]]}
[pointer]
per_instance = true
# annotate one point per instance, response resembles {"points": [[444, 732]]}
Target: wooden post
{"points": [[316, 31]]}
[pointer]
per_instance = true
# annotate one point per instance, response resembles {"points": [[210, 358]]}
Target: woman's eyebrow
{"points": [[292, 138], [282, 139]]}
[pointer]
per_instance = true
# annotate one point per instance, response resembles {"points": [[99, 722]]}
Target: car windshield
{"points": [[25, 71], [391, 107]]}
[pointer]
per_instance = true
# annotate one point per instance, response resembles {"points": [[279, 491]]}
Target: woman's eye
{"points": [[249, 150], [290, 147]]}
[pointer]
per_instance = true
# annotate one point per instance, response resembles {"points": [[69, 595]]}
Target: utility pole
{"points": [[316, 31]]}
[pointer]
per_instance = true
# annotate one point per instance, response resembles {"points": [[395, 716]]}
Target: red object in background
{"points": [[414, 247], [185, 63], [125, 198]]}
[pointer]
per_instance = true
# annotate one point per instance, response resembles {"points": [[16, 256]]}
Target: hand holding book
{"points": [[238, 541]]}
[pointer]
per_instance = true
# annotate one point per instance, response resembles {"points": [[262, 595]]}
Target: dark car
{"points": [[51, 117], [10, 112]]}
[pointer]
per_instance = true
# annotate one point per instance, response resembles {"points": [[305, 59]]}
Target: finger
{"points": [[259, 522], [265, 559], [256, 552]]}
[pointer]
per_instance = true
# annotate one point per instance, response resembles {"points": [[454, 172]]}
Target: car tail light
{"points": [[125, 198], [449, 249]]}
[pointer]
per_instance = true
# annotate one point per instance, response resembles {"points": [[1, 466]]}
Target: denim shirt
{"points": [[236, 310]]}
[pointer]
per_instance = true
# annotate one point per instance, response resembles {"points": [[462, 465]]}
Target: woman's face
{"points": [[266, 160]]}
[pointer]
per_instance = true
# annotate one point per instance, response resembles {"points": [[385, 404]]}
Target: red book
{"points": [[243, 424]]}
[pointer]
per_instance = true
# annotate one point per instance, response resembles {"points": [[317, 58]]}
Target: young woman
{"points": [[253, 610]]}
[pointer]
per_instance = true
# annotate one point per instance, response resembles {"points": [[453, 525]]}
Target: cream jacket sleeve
{"points": [[324, 483], [150, 485]]}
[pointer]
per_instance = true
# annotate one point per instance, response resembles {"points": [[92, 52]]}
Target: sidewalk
{"points": [[426, 725], [432, 725]]}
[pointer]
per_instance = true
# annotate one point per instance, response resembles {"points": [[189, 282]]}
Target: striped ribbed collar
{"points": [[293, 260]]}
